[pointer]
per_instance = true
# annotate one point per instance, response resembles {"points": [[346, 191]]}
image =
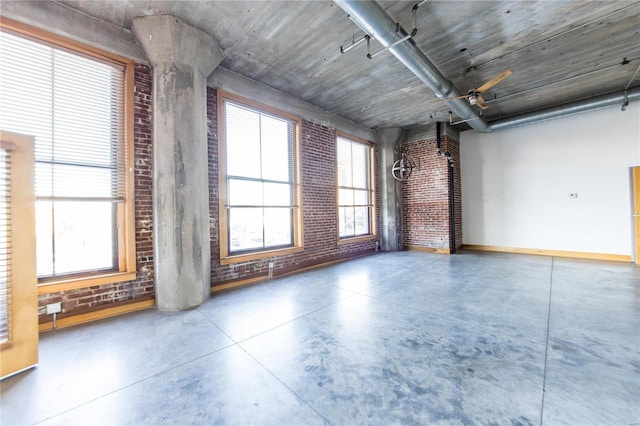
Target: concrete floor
{"points": [[395, 338]]}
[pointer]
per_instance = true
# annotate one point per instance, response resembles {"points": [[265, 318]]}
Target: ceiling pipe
{"points": [[373, 20], [598, 102]]}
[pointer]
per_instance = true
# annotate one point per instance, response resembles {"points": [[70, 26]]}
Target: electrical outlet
{"points": [[54, 308], [573, 195]]}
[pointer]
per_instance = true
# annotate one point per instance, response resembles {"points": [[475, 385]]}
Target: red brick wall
{"points": [[320, 219], [320, 216], [96, 297], [425, 196]]}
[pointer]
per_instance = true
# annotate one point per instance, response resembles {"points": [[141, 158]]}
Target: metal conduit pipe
{"points": [[373, 20], [568, 109]]}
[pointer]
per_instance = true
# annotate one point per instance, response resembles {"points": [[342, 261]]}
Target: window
{"points": [[73, 99], [259, 194], [355, 188]]}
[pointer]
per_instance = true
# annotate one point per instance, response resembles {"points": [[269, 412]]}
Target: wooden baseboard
{"points": [[98, 314], [429, 249], [551, 253], [241, 283]]}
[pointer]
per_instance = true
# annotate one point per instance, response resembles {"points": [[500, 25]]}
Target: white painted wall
{"points": [[516, 183]]}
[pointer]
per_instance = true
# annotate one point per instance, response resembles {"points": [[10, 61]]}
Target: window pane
{"points": [[277, 227], [276, 148], [277, 194], [245, 229], [361, 220], [345, 197], [44, 238], [359, 164], [245, 193], [344, 163], [83, 236], [361, 198], [242, 133], [73, 181], [346, 221]]}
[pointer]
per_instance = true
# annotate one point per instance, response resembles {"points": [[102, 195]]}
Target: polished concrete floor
{"points": [[394, 338]]}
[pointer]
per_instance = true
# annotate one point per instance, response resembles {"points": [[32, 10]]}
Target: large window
{"points": [[259, 190], [73, 99], [355, 188]]}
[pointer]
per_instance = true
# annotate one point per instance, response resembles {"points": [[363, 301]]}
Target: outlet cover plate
{"points": [[54, 308]]}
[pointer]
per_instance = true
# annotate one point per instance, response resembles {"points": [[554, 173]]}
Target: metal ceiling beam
{"points": [[373, 20]]}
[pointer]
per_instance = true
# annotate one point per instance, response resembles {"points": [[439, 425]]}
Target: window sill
{"points": [[358, 239], [83, 282], [261, 255]]}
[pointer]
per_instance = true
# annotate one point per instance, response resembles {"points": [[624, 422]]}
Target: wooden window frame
{"points": [[298, 246], [372, 191], [125, 211]]}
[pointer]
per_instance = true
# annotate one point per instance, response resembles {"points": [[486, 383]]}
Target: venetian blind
{"points": [[73, 105], [5, 243]]}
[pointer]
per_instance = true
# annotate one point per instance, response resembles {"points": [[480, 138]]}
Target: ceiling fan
{"points": [[473, 95]]}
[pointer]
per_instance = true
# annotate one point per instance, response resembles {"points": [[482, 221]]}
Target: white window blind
{"points": [[73, 105]]}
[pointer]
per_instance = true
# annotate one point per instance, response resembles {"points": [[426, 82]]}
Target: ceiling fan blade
{"points": [[481, 103], [437, 101], [489, 84]]}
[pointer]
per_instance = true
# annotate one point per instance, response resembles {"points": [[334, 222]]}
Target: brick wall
{"points": [[426, 196], [320, 219], [320, 216], [87, 299]]}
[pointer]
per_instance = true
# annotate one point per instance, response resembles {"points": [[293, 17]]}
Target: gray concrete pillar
{"points": [[182, 58], [388, 141]]}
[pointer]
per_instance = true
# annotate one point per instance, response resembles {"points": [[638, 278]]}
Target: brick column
{"points": [[182, 59], [426, 196]]}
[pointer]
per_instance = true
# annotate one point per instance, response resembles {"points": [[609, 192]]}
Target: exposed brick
{"points": [[426, 196], [320, 221], [319, 214]]}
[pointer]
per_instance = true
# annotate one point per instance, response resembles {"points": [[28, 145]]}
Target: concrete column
{"points": [[388, 141], [182, 58]]}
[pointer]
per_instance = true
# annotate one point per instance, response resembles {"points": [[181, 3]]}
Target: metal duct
{"points": [[568, 109], [373, 20]]}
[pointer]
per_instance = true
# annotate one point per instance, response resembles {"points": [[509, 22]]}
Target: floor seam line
{"points": [[136, 382], [546, 349], [304, 401], [293, 319], [212, 322]]}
